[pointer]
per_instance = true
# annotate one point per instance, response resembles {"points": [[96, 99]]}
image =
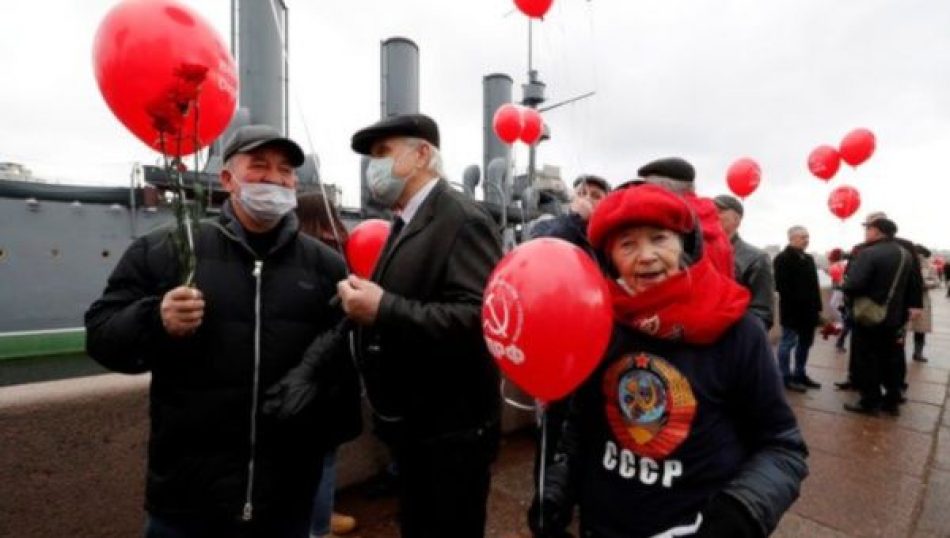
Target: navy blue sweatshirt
{"points": [[661, 427]]}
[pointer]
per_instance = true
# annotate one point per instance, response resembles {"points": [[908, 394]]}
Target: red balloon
{"points": [[162, 68], [508, 123], [547, 317], [857, 146], [836, 270], [364, 246], [532, 125], [824, 162], [534, 8], [844, 201], [743, 177]]}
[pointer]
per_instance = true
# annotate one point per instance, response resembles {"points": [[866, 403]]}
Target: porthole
{"points": [[105, 253], [54, 252]]}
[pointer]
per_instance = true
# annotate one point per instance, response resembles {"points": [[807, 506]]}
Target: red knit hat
{"points": [[643, 205]]}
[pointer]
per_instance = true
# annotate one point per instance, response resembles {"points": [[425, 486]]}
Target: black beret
{"points": [[672, 167], [251, 137], [414, 125]]}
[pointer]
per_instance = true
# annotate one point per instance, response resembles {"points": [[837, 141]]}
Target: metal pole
{"points": [[532, 147]]}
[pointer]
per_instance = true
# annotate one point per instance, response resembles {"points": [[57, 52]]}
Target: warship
{"points": [[60, 242]]}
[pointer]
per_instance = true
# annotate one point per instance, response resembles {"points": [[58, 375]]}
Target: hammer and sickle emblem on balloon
{"points": [[495, 323]]}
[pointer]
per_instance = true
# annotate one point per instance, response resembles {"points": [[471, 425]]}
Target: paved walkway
{"points": [[887, 477]]}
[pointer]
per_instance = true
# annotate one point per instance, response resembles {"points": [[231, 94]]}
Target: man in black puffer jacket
{"points": [[218, 465]]}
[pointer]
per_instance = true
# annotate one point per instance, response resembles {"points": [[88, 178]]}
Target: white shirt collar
{"points": [[412, 206]]}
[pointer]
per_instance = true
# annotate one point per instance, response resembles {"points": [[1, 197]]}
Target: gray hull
{"points": [[55, 257]]}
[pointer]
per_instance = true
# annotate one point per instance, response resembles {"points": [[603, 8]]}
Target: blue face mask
{"points": [[384, 186], [266, 203]]}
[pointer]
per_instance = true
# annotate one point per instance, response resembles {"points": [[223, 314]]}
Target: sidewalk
{"points": [[887, 477]]}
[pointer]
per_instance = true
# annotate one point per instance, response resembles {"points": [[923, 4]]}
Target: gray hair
{"points": [[435, 159], [796, 230]]}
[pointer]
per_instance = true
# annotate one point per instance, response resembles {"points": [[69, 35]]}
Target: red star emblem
{"points": [[642, 361]]}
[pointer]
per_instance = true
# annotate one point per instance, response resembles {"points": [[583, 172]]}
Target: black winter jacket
{"points": [[664, 431], [872, 273], [207, 388], [796, 281]]}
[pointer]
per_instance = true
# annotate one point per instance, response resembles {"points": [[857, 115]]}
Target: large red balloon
{"points": [[857, 146], [534, 8], [365, 244], [532, 125], [161, 68], [824, 162], [547, 317], [743, 177], [844, 201], [508, 123]]}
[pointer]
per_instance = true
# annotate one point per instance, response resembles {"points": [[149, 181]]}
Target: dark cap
{"points": [[593, 180], [673, 168], [251, 137], [726, 201], [886, 226], [414, 125]]}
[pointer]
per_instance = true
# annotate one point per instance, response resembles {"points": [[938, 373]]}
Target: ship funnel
{"points": [[496, 91], [398, 94], [259, 30]]}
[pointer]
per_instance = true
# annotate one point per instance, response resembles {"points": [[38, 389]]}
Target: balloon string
{"points": [[514, 403], [541, 472], [303, 120]]}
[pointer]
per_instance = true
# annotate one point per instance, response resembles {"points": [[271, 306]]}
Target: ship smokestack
{"points": [[398, 94]]}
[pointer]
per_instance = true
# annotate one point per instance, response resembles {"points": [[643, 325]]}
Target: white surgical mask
{"points": [[384, 186], [266, 202]]}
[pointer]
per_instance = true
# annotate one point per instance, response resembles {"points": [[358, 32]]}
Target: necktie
{"points": [[394, 230]]}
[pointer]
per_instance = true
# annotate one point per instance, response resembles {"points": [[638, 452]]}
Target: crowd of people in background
{"points": [[684, 428]]}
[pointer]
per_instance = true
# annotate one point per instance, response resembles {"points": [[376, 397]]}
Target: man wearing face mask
{"points": [[428, 374], [218, 464]]}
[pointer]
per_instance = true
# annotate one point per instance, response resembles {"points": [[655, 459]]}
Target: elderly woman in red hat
{"points": [[683, 430]]}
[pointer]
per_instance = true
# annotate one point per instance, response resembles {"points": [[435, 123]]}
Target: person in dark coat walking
{"points": [[796, 280], [428, 373], [880, 272], [227, 457], [683, 429], [753, 267]]}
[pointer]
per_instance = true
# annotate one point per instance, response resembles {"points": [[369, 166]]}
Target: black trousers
{"points": [[876, 359], [444, 485]]}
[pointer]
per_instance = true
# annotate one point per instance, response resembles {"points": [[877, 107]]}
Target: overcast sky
{"points": [[709, 80]]}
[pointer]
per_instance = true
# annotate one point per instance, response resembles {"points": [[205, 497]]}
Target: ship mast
{"points": [[533, 97]]}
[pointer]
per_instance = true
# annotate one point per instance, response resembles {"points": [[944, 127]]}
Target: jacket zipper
{"points": [[248, 505]]}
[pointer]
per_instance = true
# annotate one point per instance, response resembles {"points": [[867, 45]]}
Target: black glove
{"points": [[558, 504], [725, 517], [292, 395]]}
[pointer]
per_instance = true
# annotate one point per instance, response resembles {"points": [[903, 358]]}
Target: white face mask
{"points": [[265, 202], [384, 185]]}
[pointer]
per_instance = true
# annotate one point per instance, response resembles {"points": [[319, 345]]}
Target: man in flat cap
{"points": [[753, 266], [429, 377], [677, 175], [217, 464], [913, 303], [880, 273]]}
